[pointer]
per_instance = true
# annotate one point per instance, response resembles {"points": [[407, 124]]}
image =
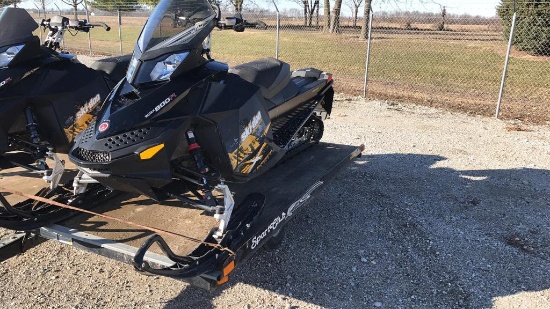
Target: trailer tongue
{"points": [[190, 249]]}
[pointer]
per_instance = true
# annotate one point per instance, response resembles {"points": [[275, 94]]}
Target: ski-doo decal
{"points": [[252, 152], [83, 117], [5, 82], [251, 126]]}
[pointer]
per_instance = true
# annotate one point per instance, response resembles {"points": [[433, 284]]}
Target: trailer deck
{"points": [[286, 188]]}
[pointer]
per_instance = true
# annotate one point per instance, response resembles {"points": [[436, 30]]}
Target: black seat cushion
{"points": [[270, 74], [115, 67]]}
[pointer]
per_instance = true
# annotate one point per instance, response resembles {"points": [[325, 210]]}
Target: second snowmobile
{"points": [[46, 96], [182, 126]]}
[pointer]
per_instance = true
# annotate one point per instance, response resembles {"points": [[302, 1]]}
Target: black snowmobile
{"points": [[47, 97], [182, 126], [238, 23], [180, 122]]}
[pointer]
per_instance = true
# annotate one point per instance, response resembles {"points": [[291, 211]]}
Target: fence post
{"points": [[89, 36], [120, 30], [63, 40], [368, 54], [277, 32], [505, 71], [41, 41]]}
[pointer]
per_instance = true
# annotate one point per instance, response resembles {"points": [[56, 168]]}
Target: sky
{"points": [[486, 8], [473, 7]]}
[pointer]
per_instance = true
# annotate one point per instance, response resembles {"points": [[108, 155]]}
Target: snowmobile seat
{"points": [[270, 74], [115, 67]]}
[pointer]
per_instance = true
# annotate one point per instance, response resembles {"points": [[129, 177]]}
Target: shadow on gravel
{"points": [[399, 231]]}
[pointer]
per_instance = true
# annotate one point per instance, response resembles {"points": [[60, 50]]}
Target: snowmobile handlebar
{"points": [[61, 22], [100, 24]]}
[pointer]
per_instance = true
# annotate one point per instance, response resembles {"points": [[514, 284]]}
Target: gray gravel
{"points": [[444, 211]]}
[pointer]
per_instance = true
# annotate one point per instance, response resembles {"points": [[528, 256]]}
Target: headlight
{"points": [[154, 70], [132, 69], [163, 69], [7, 56]]}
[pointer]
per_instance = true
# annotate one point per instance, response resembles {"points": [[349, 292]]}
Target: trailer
{"points": [[191, 251]]}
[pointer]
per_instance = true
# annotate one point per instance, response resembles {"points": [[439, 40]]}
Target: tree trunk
{"points": [[317, 14], [44, 8], [306, 9], [238, 4], [355, 14], [335, 20], [75, 7], [311, 11], [326, 18], [365, 25]]}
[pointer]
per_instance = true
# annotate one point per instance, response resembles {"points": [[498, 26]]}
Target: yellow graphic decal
{"points": [[82, 118], [251, 154]]}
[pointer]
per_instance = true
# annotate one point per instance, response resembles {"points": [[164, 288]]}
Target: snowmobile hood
{"points": [[16, 26], [171, 41]]}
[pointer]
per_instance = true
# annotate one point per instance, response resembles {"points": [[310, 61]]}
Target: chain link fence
{"points": [[429, 56]]}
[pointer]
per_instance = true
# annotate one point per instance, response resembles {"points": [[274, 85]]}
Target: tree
{"points": [[366, 17], [4, 3], [43, 4], [532, 33], [354, 7], [441, 25], [74, 4], [310, 7], [238, 5], [335, 17], [326, 18]]}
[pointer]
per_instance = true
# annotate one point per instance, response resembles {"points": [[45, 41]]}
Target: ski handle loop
{"points": [[156, 238], [192, 267]]}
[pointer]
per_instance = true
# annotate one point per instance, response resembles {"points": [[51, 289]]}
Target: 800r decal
{"points": [[161, 105], [285, 215]]}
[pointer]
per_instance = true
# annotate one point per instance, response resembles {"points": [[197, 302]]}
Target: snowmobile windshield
{"points": [[174, 22], [16, 27], [171, 31]]}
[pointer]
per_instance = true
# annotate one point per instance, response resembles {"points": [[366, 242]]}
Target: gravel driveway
{"points": [[444, 211]]}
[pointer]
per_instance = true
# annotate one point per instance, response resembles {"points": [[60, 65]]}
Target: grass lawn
{"points": [[456, 74]]}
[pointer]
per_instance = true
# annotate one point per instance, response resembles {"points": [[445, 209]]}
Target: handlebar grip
{"points": [[99, 24]]}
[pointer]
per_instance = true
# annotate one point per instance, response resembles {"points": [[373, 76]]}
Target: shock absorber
{"points": [[194, 149], [32, 126]]}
